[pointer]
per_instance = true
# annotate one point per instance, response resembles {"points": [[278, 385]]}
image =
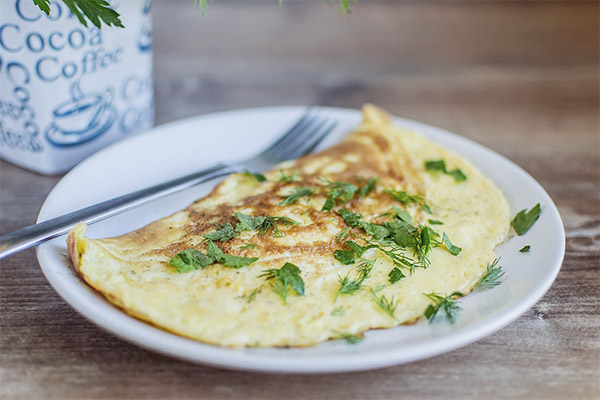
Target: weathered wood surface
{"points": [[521, 78]]}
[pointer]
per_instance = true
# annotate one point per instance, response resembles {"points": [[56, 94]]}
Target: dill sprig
{"points": [[491, 278], [348, 286], [285, 280], [405, 198], [294, 174], [339, 193], [297, 194], [387, 305], [448, 305]]}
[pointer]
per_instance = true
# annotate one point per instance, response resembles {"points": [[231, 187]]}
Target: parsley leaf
{"points": [[525, 219], [346, 257], [358, 249], [403, 215], [297, 194], [340, 193], [224, 232], [262, 224], [395, 275], [351, 219], [454, 250], [258, 177], [447, 304], [440, 165], [285, 280], [491, 278], [525, 249], [435, 222], [190, 260], [368, 187], [214, 252]]}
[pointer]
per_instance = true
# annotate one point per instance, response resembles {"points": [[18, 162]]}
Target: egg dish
{"points": [[380, 230]]}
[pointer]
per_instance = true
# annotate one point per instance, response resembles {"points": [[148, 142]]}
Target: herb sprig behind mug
{"points": [[98, 11]]}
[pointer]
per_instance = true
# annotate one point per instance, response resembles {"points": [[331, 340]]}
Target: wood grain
{"points": [[519, 77]]}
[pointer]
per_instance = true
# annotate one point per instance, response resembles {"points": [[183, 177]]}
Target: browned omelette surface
{"points": [[237, 306]]}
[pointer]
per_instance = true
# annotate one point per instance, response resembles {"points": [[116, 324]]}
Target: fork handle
{"points": [[35, 234]]}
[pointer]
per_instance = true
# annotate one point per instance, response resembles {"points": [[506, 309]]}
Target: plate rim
{"points": [[439, 345]]}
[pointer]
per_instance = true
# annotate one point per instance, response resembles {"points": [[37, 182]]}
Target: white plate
{"points": [[182, 147]]}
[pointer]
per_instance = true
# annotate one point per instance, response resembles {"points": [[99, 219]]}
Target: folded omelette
{"points": [[360, 236]]}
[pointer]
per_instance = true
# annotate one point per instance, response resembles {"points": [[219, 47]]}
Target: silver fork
{"points": [[300, 139]]}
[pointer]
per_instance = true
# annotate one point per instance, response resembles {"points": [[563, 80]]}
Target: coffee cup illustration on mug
{"points": [[81, 118]]}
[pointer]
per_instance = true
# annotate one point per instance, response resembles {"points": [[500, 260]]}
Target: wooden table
{"points": [[519, 77]]}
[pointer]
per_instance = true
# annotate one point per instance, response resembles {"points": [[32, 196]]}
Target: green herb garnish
{"points": [[351, 219], [346, 257], [525, 249], [258, 177], [491, 278], [94, 10], [189, 260], [339, 193], [404, 198], [395, 275], [248, 246], [435, 222], [252, 296], [216, 254], [348, 286], [387, 305], [454, 250], [525, 219], [262, 224], [342, 235], [288, 178], [338, 311], [297, 194], [223, 233], [285, 280], [447, 304], [350, 338], [364, 268], [440, 165], [403, 215], [366, 189]]}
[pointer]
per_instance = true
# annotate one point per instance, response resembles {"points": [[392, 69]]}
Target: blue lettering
{"points": [[95, 36], [43, 73], [30, 42], [74, 41], [21, 94], [4, 37], [12, 66], [69, 70], [22, 15], [56, 45]]}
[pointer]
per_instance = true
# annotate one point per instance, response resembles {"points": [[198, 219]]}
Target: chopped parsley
{"points": [[258, 177], [454, 250], [285, 280], [491, 278], [224, 232], [525, 219], [262, 224], [191, 259], [216, 254], [435, 222], [338, 311], [346, 257], [297, 194], [440, 165], [403, 215], [525, 249], [395, 275], [353, 220], [248, 246], [339, 193], [448, 305]]}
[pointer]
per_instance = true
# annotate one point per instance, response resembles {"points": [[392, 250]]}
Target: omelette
{"points": [[370, 233]]}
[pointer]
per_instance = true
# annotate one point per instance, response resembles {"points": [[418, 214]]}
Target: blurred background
{"points": [[521, 77]]}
